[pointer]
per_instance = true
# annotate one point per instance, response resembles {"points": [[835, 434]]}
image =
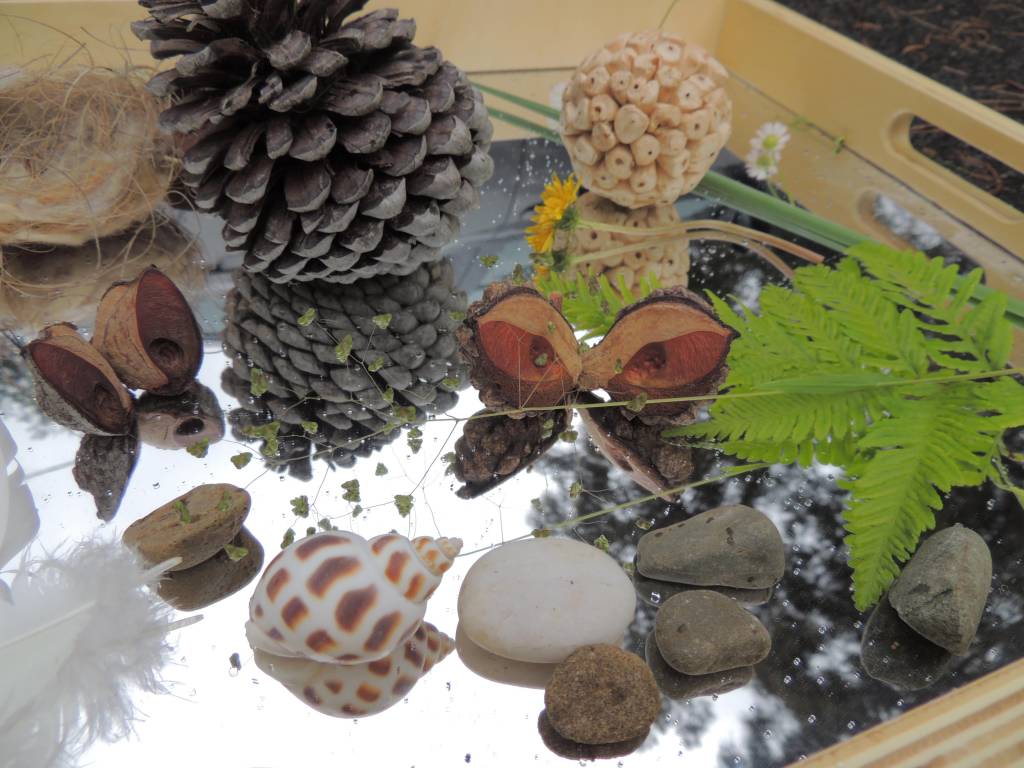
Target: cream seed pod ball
{"points": [[645, 117], [670, 263]]}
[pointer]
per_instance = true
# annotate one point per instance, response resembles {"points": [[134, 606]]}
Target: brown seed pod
{"points": [[669, 344], [637, 448], [180, 421], [147, 331], [521, 350], [493, 449], [75, 386], [644, 117], [669, 263], [103, 467]]}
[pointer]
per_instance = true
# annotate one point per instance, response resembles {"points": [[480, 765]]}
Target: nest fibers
{"points": [[81, 155]]}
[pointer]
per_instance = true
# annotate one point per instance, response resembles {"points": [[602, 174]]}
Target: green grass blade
{"points": [[521, 122], [533, 106]]}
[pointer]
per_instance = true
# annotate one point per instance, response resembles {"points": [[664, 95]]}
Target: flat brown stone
{"points": [[213, 579], [215, 513]]}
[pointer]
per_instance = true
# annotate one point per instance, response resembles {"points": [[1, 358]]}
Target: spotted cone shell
{"points": [[359, 690], [338, 598]]}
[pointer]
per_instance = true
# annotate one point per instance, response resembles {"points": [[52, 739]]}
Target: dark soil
{"points": [[975, 47]]}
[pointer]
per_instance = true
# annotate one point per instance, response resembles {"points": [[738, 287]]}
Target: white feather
{"points": [[19, 521], [81, 631]]}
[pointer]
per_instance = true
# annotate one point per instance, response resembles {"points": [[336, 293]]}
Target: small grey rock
{"points": [[701, 632], [942, 591], [733, 546], [681, 687], [655, 593], [895, 654]]}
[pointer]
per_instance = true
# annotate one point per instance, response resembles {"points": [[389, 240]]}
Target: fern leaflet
{"points": [[813, 372]]}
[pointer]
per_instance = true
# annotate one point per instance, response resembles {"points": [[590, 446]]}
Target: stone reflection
{"points": [[813, 688]]}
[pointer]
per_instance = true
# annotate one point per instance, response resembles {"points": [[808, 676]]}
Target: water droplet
{"points": [[851, 725], [812, 719]]}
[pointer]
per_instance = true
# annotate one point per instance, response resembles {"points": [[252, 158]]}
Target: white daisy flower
{"points": [[771, 137], [762, 164]]}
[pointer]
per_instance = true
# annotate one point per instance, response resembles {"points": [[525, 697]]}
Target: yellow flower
{"points": [[557, 200]]}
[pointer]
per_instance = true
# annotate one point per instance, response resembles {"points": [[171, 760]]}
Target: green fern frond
{"points": [[816, 365], [589, 303]]}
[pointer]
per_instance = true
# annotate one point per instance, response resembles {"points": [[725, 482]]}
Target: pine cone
{"points": [[394, 374], [335, 151], [496, 448], [296, 447]]}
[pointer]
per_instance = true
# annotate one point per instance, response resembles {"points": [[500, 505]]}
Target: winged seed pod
{"points": [[334, 149], [75, 385], [147, 331], [645, 117], [522, 352]]}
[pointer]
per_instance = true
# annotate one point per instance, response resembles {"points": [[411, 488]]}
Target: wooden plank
{"points": [[980, 724]]}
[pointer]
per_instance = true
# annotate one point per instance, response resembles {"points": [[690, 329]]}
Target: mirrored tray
{"points": [[811, 692]]}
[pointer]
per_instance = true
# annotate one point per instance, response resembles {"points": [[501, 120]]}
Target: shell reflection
{"points": [[360, 690]]}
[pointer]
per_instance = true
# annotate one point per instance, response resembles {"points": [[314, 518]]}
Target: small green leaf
{"points": [[289, 538], [309, 427], [267, 433], [643, 524], [241, 459], [404, 504], [629, 568], [307, 317], [381, 470], [602, 543], [357, 510], [382, 321], [457, 315], [489, 261], [637, 403], [551, 327], [405, 413], [310, 531], [541, 360], [300, 506], [535, 503], [415, 439], [575, 490], [344, 348], [376, 365], [200, 448], [225, 502], [235, 553], [388, 395], [450, 383], [184, 513], [449, 457], [540, 533], [258, 383], [568, 436], [518, 274], [324, 523], [351, 490], [618, 365]]}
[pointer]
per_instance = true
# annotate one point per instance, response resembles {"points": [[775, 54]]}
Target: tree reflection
{"points": [[812, 690]]}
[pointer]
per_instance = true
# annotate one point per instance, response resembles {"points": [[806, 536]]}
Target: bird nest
{"points": [[81, 155]]}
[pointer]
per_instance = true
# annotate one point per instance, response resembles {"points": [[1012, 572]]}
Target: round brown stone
{"points": [[601, 695], [208, 517], [214, 579], [573, 750]]}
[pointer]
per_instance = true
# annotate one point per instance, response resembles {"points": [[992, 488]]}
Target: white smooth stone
{"points": [[539, 600]]}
